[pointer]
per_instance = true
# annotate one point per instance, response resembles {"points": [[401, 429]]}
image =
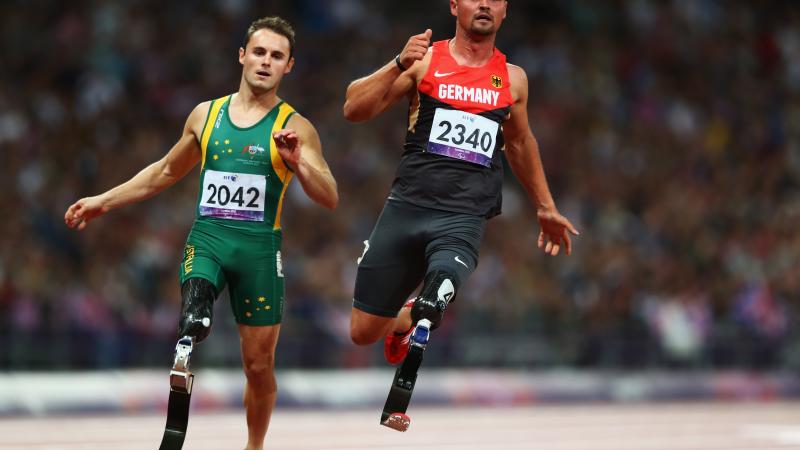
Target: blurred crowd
{"points": [[669, 131]]}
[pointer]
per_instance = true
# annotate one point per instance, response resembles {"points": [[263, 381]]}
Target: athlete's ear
{"points": [[289, 65], [241, 55]]}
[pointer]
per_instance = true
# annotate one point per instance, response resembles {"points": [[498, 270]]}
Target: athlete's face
{"points": [[479, 17], [265, 60]]}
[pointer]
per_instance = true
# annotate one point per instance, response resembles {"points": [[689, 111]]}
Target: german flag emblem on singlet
{"points": [[497, 82]]}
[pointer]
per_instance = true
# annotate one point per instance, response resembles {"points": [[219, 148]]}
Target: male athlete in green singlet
{"points": [[249, 145]]}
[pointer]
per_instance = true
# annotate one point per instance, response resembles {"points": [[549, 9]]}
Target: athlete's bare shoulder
{"points": [[197, 118], [517, 74], [199, 115], [518, 80], [202, 106], [299, 122]]}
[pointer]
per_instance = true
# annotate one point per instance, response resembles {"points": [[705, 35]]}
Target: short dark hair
{"points": [[274, 24]]}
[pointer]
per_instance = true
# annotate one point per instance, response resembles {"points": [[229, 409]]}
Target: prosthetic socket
{"points": [[197, 309], [437, 292]]}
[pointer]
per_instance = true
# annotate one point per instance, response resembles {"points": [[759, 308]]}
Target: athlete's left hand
{"points": [[288, 144], [555, 231]]}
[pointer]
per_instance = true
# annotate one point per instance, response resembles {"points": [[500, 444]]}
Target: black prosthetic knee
{"points": [[197, 309], [438, 291]]}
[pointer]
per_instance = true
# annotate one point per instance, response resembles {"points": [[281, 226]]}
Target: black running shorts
{"points": [[407, 242]]}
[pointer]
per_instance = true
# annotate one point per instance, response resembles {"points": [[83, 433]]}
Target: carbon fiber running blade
{"points": [[405, 377], [177, 421]]}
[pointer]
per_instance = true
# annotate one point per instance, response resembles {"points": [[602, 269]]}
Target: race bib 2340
{"points": [[462, 135]]}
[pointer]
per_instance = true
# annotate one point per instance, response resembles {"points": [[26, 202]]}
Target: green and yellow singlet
{"points": [[243, 178]]}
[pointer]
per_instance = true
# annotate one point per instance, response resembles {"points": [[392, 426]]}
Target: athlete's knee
{"points": [[366, 329], [438, 291], [363, 335], [260, 370], [197, 308]]}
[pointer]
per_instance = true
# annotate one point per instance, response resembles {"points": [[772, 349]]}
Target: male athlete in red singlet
{"points": [[467, 107]]}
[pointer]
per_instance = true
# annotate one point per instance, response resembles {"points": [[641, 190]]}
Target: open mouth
{"points": [[263, 73], [484, 16]]}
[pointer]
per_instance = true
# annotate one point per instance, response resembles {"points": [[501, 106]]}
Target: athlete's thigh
{"points": [[454, 243], [255, 277], [393, 262], [258, 343], [200, 260]]}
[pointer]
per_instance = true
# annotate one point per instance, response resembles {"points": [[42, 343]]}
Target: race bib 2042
{"points": [[462, 135], [236, 196]]}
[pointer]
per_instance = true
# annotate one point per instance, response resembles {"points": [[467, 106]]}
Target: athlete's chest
{"points": [[471, 89], [238, 178], [229, 148]]}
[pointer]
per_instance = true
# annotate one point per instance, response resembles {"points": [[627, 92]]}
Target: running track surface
{"points": [[696, 426]]}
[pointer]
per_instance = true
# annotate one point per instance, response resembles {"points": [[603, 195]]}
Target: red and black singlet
{"points": [[452, 151]]}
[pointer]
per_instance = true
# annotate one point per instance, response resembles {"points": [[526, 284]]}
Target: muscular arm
{"points": [[369, 96], [300, 147], [522, 152], [151, 180]]}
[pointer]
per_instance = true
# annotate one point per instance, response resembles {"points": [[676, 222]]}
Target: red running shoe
{"points": [[395, 346]]}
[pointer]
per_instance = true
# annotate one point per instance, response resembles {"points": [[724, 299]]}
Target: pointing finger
{"points": [[572, 229], [568, 243]]}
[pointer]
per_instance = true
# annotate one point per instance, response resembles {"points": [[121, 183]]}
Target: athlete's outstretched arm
{"points": [[369, 96], [151, 180], [522, 152], [301, 150]]}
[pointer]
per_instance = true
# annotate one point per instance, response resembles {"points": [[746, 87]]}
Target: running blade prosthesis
{"points": [[180, 393], [394, 410]]}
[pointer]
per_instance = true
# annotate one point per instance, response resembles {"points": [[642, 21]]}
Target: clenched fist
{"points": [[288, 144], [415, 49]]}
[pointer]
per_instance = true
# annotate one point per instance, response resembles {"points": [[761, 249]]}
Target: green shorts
{"points": [[248, 262]]}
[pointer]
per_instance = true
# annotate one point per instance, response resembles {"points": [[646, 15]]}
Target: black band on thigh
{"points": [[453, 262]]}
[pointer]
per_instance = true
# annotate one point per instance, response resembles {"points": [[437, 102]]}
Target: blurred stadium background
{"points": [[670, 133]]}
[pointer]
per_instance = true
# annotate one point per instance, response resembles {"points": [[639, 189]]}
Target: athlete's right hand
{"points": [[416, 48], [83, 211]]}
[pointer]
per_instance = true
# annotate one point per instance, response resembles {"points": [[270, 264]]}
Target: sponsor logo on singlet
{"points": [[438, 74], [219, 117]]}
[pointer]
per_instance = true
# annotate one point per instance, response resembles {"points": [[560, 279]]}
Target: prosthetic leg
{"points": [[198, 303], [427, 313]]}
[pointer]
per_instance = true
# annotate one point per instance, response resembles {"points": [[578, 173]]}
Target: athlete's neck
{"points": [[247, 109], [248, 101], [471, 50]]}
